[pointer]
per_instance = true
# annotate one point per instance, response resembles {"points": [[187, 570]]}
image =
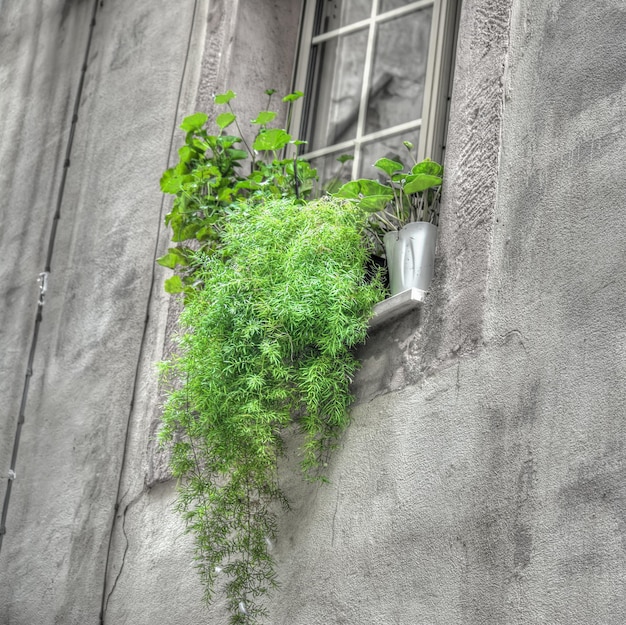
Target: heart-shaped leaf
{"points": [[174, 285], [170, 181], [264, 117], [427, 167], [225, 119], [194, 122], [364, 188], [273, 139], [416, 183], [292, 97], [373, 203], [388, 166], [224, 98]]}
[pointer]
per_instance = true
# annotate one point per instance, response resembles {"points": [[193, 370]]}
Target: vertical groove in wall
{"points": [[43, 281], [106, 596]]}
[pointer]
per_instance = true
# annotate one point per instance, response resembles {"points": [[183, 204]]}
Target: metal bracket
{"points": [[43, 286]]}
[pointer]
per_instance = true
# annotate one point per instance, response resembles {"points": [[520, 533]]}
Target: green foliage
{"points": [[266, 342], [408, 196], [208, 182]]}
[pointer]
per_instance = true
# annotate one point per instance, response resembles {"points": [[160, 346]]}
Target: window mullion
{"points": [[365, 139], [365, 88], [362, 24]]}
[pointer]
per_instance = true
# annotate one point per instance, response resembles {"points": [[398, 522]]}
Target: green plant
{"points": [[266, 343], [408, 196], [208, 183]]}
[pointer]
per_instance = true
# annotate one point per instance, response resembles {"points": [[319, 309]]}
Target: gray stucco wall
{"points": [[482, 479], [90, 340]]}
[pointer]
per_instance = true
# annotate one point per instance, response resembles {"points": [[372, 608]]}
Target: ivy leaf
{"points": [[388, 166], [225, 119], [264, 117], [224, 98], [273, 139], [174, 285], [194, 122], [292, 97]]}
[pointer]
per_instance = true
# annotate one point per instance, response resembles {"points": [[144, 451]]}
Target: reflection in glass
{"points": [[336, 13], [337, 79], [390, 147], [399, 71]]}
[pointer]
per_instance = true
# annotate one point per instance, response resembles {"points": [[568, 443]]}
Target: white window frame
{"points": [[437, 82]]}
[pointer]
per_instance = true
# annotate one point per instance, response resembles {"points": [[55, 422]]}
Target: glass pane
{"points": [[389, 147], [399, 72], [388, 5], [336, 85], [331, 172], [336, 13]]}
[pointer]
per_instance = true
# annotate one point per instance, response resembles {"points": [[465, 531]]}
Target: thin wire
{"points": [[105, 597], [43, 285]]}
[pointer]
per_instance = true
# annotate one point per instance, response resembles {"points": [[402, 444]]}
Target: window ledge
{"points": [[395, 306]]}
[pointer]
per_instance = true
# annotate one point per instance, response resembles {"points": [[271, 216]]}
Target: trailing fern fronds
{"points": [[266, 340]]}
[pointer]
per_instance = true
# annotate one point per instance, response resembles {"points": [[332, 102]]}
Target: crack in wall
{"points": [[128, 506]]}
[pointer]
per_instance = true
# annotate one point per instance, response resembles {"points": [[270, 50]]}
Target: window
{"points": [[375, 74]]}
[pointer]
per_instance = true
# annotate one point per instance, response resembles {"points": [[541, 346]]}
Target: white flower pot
{"points": [[410, 255]]}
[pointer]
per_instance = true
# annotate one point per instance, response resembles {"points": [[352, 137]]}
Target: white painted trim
{"points": [[395, 306], [362, 24], [365, 139]]}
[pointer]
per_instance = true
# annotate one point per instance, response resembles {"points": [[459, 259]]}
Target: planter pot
{"points": [[410, 255]]}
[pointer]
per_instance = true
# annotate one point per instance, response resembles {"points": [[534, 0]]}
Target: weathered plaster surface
{"points": [[251, 48], [482, 479], [52, 565], [36, 111]]}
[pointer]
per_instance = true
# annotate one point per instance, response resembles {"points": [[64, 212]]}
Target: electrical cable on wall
{"points": [[43, 284]]}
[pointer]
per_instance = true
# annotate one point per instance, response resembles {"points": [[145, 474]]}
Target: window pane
{"points": [[388, 5], [399, 71], [390, 147], [332, 173], [337, 80], [336, 13]]}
